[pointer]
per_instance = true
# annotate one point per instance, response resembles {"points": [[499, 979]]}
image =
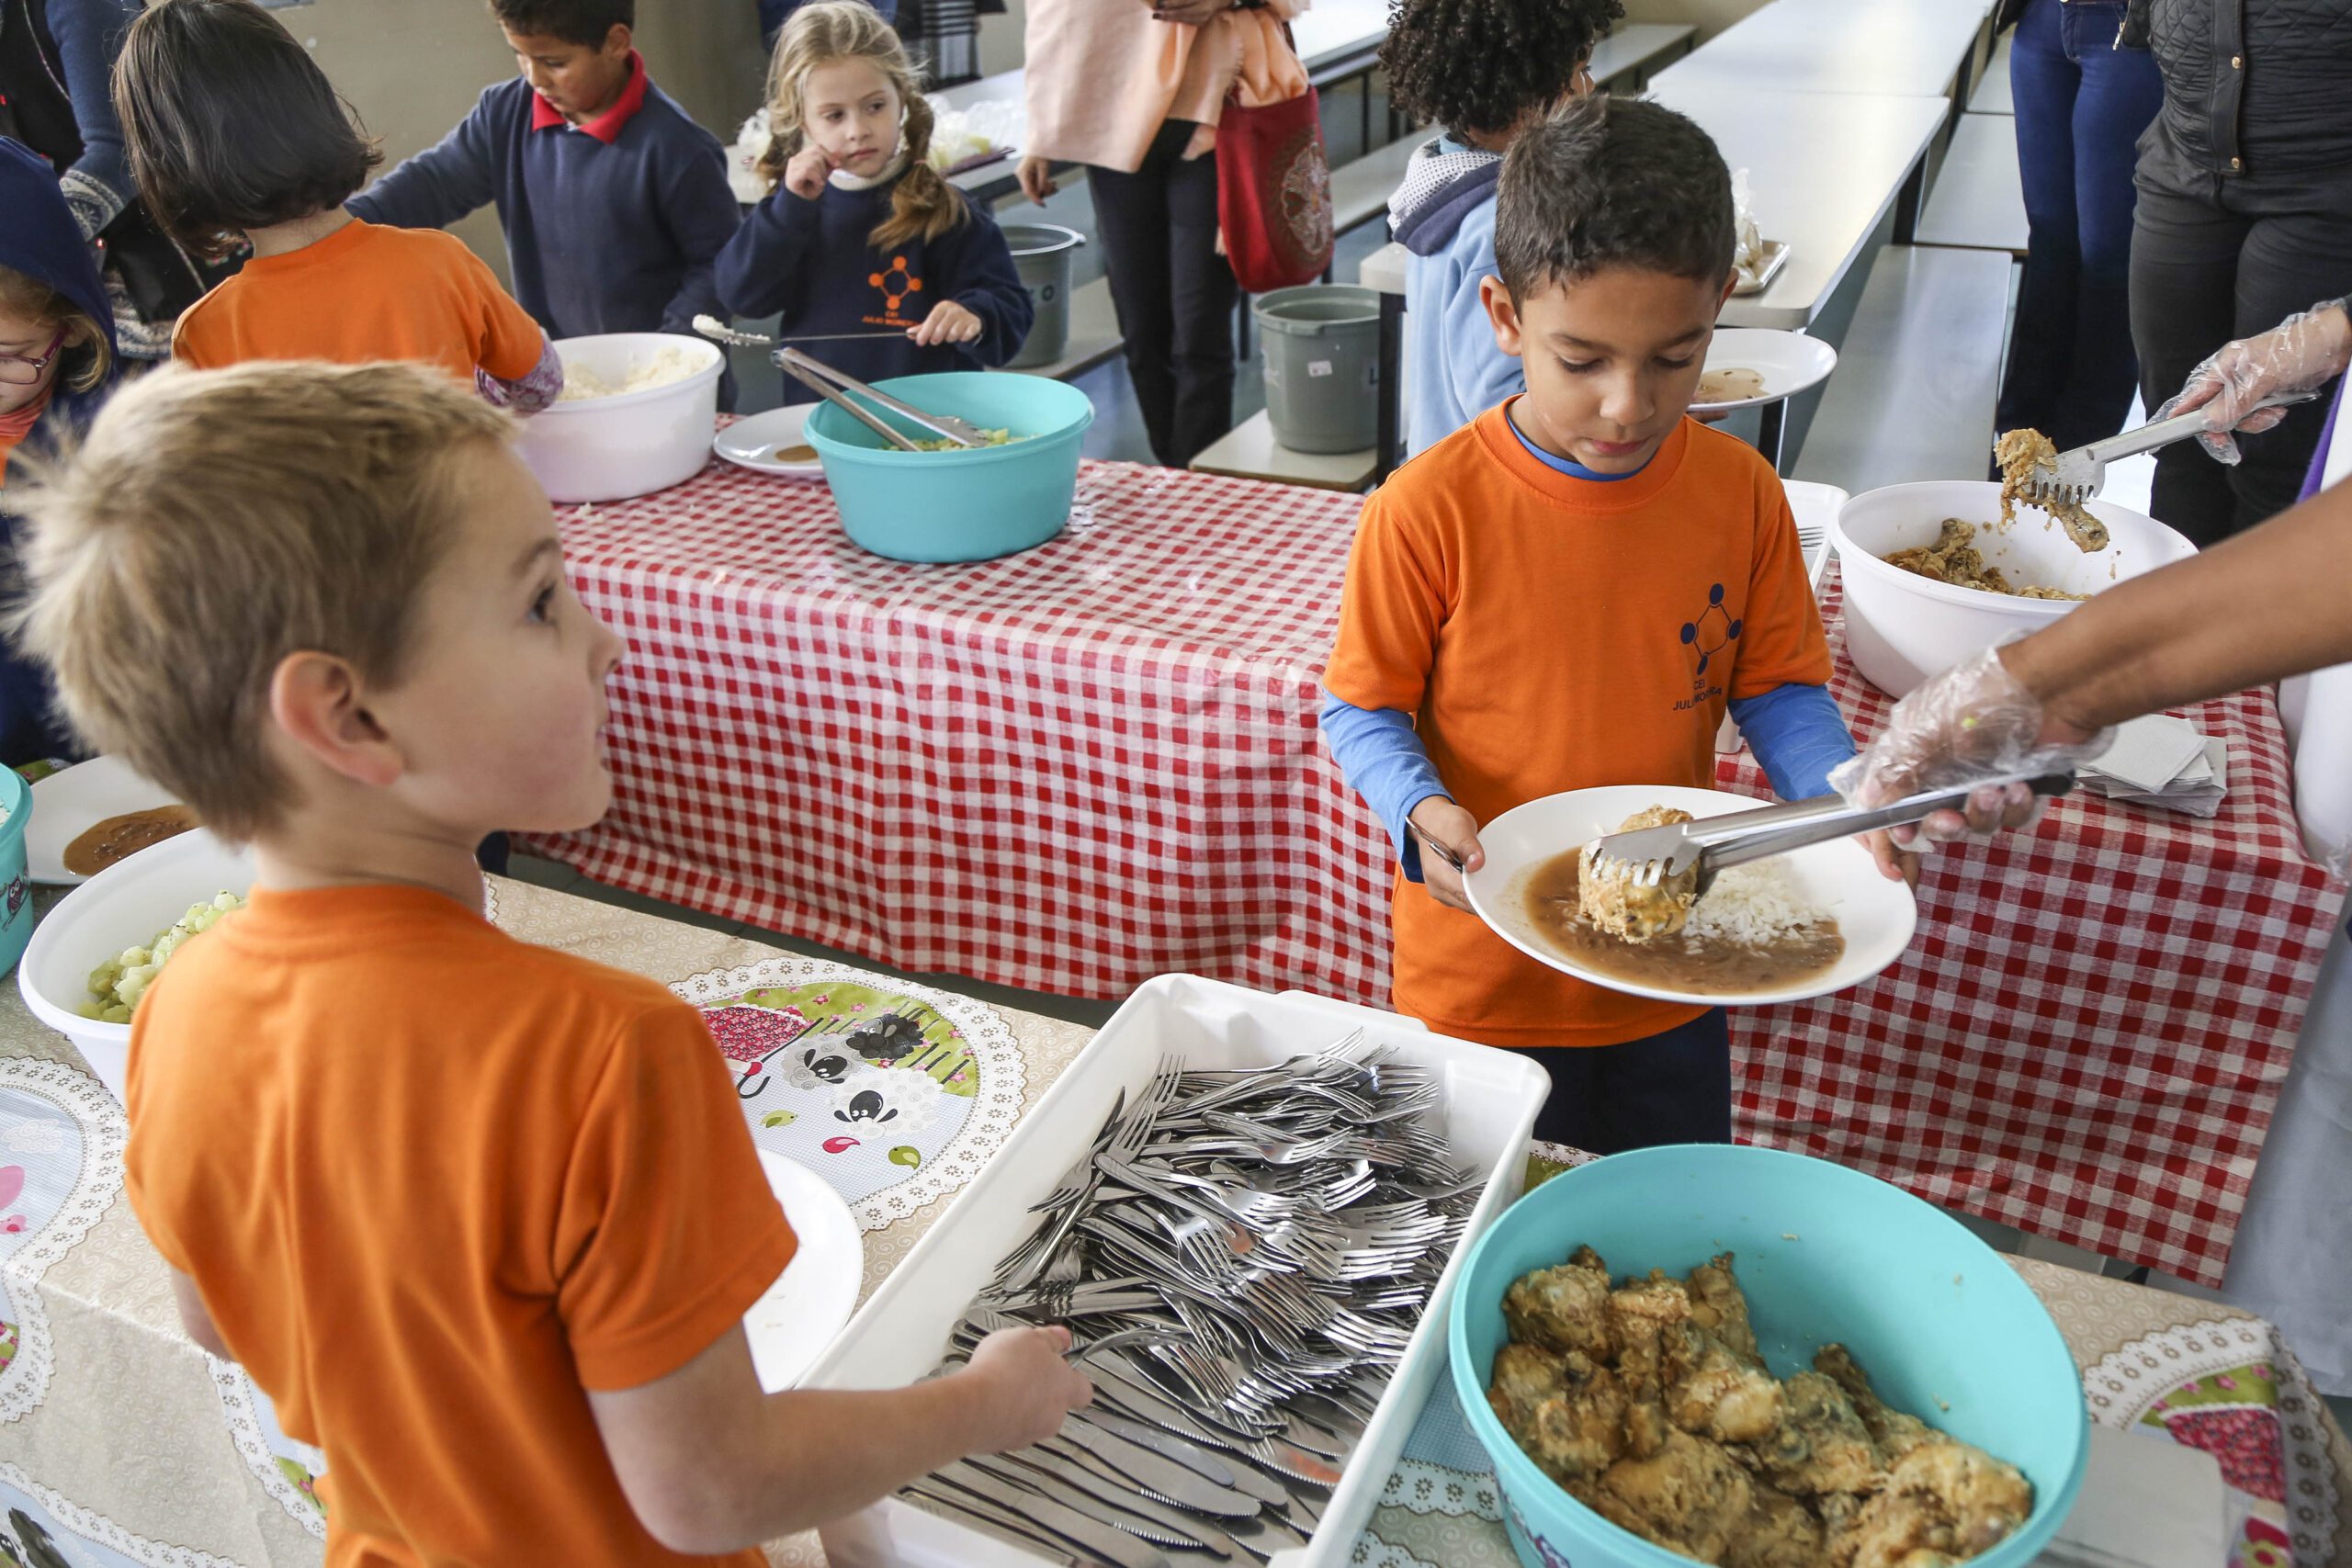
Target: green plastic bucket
{"points": [[1946, 1329], [1322, 355]]}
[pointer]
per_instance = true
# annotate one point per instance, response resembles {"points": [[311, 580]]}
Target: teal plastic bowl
{"points": [[958, 505], [1943, 1326], [16, 884]]}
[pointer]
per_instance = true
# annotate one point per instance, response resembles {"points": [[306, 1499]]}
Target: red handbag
{"points": [[1273, 192]]}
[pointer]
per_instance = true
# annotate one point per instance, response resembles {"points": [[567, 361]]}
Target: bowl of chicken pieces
{"points": [[1756, 1360]]}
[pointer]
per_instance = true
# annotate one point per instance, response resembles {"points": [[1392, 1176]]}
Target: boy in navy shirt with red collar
{"points": [[615, 202]]}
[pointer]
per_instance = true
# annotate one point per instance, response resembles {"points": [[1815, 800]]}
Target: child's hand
{"points": [[1028, 1387], [948, 323], [805, 176], [1036, 177], [1448, 825], [1894, 863]]}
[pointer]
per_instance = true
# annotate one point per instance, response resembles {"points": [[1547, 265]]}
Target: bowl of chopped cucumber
{"points": [[94, 955]]}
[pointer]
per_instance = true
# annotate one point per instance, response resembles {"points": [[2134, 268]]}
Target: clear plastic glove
{"points": [[2289, 363], [1972, 723]]}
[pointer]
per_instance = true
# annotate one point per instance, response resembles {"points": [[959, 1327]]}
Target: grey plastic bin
{"points": [[1042, 253], [1322, 353]]}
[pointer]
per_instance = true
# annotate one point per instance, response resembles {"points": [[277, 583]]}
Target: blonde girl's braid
{"points": [[922, 205]]}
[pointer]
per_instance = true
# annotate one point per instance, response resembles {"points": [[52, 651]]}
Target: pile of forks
{"points": [[1241, 1260]]}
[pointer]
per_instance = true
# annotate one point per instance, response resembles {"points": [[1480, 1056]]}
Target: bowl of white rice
{"points": [[636, 416], [1758, 905]]}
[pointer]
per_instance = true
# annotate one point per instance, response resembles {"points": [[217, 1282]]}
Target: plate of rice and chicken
{"points": [[1805, 924]]}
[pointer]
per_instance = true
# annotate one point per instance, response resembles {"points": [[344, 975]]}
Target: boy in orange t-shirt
{"points": [[1568, 593], [234, 130], [483, 1219]]}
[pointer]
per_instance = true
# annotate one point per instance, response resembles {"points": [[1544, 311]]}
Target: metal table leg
{"points": [[1908, 203], [1769, 433], [1388, 445]]}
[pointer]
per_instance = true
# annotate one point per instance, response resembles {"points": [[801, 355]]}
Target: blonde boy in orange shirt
{"points": [[483, 1219], [1568, 592]]}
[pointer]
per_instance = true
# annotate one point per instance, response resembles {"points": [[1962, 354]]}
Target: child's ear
{"points": [[1731, 281], [619, 40], [1501, 313], [315, 700]]}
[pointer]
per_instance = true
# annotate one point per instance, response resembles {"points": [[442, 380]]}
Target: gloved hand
{"points": [[2290, 362], [1974, 722]]}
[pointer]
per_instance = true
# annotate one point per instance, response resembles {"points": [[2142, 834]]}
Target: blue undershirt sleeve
{"points": [[1796, 732], [1383, 760]]}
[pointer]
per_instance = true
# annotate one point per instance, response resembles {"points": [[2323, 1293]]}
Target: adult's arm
{"points": [[89, 34], [2269, 603]]}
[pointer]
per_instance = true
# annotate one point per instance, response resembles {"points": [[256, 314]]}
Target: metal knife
{"points": [[1081, 1530], [1214, 1464], [991, 1520], [1186, 1529], [1124, 1510], [1163, 1476]]}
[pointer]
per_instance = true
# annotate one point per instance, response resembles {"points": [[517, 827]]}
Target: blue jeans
{"points": [[2081, 106], [1673, 1088]]}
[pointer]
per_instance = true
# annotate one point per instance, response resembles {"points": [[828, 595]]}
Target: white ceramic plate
{"points": [[1789, 362], [1875, 916], [69, 804], [751, 443], [792, 1325]]}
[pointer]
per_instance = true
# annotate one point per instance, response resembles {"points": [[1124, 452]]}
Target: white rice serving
{"points": [[661, 368], [1752, 905]]}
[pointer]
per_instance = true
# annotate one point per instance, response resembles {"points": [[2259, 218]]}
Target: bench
{"points": [[1632, 51], [1360, 191], [1992, 94], [1978, 202], [1250, 452], [1093, 335], [1918, 374]]}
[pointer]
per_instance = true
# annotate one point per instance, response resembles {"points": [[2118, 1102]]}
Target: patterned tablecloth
{"points": [[122, 1443], [1097, 762]]}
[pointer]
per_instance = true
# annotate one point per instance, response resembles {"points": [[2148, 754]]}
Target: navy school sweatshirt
{"points": [[815, 263], [611, 227]]}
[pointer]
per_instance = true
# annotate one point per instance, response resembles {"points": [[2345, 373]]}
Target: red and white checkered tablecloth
{"points": [[1097, 762]]}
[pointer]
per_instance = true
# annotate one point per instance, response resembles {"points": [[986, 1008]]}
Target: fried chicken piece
{"points": [[1780, 1533], [1616, 903], [1895, 1433], [1719, 1306], [1561, 1309], [1712, 1392], [2019, 453], [1525, 1376], [1579, 1432], [1944, 1501], [1690, 1496], [1645, 1429], [1639, 1312], [1821, 1445]]}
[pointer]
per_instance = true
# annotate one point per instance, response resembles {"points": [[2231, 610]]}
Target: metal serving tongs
{"points": [[2075, 477], [1713, 842], [836, 388]]}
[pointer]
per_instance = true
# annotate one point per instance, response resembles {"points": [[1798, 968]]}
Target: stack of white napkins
{"points": [[2162, 761], [2147, 1502]]}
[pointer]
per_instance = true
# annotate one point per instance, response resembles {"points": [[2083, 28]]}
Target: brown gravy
{"points": [[1730, 385], [793, 455], [1710, 966], [119, 837]]}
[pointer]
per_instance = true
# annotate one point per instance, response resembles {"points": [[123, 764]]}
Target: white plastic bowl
{"points": [[1901, 629], [127, 905], [633, 443]]}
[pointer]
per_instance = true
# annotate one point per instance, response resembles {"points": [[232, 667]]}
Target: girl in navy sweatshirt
{"points": [[861, 234]]}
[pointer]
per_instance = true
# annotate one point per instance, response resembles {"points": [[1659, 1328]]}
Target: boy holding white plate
{"points": [[483, 1219], [1570, 592]]}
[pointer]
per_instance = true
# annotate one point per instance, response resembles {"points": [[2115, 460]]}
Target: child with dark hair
{"points": [[1520, 602], [614, 201], [861, 234], [1482, 71], [234, 130]]}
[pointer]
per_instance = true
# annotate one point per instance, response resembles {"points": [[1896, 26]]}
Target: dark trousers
{"points": [[1173, 292], [1673, 1088], [2081, 106], [2227, 261]]}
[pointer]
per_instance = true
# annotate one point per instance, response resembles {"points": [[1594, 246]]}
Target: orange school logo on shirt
{"points": [[896, 285], [1714, 631]]}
